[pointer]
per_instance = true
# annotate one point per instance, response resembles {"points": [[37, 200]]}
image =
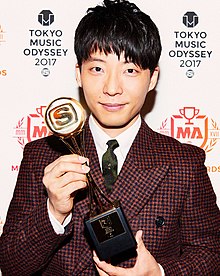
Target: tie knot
{"points": [[112, 144]]}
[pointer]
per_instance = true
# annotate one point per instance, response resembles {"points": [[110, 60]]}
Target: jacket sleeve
{"points": [[28, 240], [199, 226]]}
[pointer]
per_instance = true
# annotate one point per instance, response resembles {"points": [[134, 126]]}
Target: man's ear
{"points": [[154, 78], [78, 75]]}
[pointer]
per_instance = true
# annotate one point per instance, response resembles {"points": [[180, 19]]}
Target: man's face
{"points": [[114, 90]]}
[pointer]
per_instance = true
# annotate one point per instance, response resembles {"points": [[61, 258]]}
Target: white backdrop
{"points": [[37, 66]]}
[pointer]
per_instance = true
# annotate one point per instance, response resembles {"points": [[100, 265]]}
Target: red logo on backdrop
{"points": [[2, 35], [192, 127], [31, 127]]}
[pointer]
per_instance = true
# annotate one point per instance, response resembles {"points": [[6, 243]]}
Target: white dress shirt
{"points": [[125, 140]]}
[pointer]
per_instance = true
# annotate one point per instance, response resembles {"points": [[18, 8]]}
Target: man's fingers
{"points": [[140, 243], [138, 235], [62, 178], [63, 171], [101, 272], [107, 269], [72, 158]]}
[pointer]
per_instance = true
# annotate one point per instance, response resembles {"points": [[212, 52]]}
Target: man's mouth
{"points": [[112, 106]]}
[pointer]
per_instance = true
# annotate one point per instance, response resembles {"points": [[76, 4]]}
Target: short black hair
{"points": [[118, 26]]}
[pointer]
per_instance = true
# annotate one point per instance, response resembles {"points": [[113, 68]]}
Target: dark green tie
{"points": [[110, 164]]}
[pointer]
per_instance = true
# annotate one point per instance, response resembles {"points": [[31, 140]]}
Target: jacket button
{"points": [[160, 221]]}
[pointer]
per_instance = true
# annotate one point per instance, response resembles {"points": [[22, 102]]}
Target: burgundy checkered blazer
{"points": [[163, 188]]}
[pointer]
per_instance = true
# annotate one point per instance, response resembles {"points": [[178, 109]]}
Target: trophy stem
{"points": [[68, 145]]}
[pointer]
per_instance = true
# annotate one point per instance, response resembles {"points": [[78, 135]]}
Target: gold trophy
{"points": [[108, 229]]}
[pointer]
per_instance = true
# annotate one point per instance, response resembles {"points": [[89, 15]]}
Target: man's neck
{"points": [[115, 131]]}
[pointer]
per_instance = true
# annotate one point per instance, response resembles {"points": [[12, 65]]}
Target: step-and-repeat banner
{"points": [[37, 65]]}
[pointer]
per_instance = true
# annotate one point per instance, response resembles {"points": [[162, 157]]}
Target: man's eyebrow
{"points": [[96, 59], [92, 59]]}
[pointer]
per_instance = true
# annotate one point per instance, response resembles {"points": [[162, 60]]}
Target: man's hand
{"points": [[62, 178], [145, 264]]}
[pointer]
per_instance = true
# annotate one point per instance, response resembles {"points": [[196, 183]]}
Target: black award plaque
{"points": [[110, 233]]}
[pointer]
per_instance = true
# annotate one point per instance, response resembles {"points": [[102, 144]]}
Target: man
{"points": [[162, 184]]}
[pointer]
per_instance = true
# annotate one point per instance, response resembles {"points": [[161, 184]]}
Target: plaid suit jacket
{"points": [[163, 188]]}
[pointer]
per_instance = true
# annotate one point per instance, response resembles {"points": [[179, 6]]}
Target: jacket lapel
{"points": [[141, 174], [137, 186]]}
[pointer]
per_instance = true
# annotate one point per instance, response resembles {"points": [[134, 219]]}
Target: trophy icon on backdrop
{"points": [[108, 229], [189, 113]]}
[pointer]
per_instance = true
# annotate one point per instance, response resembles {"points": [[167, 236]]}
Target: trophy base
{"points": [[110, 234]]}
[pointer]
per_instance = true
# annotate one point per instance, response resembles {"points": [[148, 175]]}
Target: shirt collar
{"points": [[125, 139]]}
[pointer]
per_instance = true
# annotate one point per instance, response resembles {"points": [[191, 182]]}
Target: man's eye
{"points": [[130, 71], [97, 69]]}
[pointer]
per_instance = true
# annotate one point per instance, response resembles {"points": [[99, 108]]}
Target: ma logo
{"points": [[189, 126], [31, 127]]}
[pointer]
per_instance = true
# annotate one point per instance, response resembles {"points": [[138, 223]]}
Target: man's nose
{"points": [[112, 84]]}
